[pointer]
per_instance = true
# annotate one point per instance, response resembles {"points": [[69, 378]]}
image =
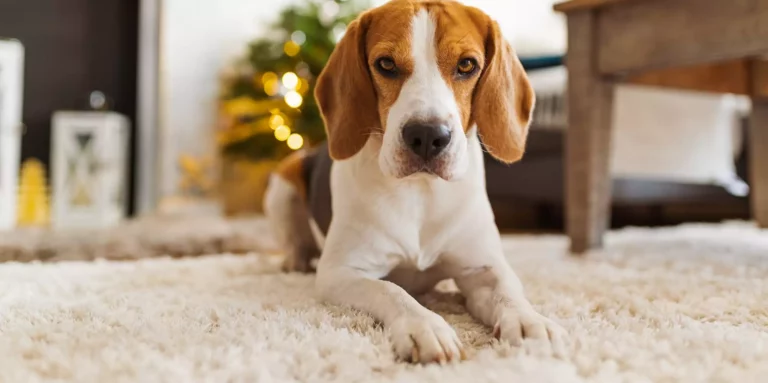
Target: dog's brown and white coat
{"points": [[407, 94]]}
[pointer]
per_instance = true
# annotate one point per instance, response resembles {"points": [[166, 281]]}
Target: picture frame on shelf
{"points": [[89, 161], [11, 98]]}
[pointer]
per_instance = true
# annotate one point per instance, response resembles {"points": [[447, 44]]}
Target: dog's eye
{"points": [[386, 66], [466, 67]]}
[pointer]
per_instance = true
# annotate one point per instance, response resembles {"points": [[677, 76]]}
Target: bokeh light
{"points": [[290, 80], [338, 31], [269, 76], [298, 37], [303, 86], [291, 48], [293, 99], [275, 121], [272, 87], [295, 141], [282, 133]]}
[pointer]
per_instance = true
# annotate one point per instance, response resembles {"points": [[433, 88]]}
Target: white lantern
{"points": [[11, 91], [89, 162]]}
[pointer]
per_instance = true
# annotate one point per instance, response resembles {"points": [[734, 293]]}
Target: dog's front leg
{"points": [[417, 333], [495, 296]]}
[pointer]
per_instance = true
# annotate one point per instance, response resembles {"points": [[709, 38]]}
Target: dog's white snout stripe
{"points": [[424, 96]]}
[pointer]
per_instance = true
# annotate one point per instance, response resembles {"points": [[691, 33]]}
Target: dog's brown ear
{"points": [[503, 101], [346, 96]]}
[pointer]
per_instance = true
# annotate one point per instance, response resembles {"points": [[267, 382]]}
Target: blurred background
{"points": [[114, 109]]}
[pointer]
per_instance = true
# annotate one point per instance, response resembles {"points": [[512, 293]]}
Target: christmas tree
{"points": [[268, 107], [33, 201]]}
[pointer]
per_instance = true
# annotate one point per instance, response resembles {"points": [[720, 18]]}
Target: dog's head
{"points": [[417, 76]]}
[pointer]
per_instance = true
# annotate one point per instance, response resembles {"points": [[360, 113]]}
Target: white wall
{"points": [[200, 37], [11, 98], [530, 25]]}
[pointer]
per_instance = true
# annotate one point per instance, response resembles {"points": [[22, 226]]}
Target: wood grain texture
{"points": [[723, 77], [652, 34], [760, 78], [758, 150], [588, 182], [577, 5]]}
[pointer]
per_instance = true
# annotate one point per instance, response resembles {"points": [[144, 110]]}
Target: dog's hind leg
{"points": [[285, 205]]}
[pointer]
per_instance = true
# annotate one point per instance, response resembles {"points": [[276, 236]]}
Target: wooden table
{"points": [[711, 45]]}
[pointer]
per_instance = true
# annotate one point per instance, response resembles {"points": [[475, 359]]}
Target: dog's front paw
{"points": [[426, 339], [513, 326]]}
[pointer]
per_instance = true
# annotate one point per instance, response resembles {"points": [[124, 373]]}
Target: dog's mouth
{"points": [[437, 167], [405, 163]]}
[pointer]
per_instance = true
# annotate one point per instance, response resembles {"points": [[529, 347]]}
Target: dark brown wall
{"points": [[72, 47]]}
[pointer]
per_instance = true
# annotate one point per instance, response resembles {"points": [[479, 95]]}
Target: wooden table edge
{"points": [[578, 5]]}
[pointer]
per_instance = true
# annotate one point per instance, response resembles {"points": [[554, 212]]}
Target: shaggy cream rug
{"points": [[154, 236], [680, 304]]}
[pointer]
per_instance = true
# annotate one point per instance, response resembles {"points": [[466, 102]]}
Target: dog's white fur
{"points": [[391, 237]]}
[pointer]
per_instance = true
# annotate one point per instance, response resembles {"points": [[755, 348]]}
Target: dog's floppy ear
{"points": [[503, 101], [346, 96]]}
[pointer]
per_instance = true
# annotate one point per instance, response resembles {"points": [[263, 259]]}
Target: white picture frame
{"points": [[11, 99], [89, 162]]}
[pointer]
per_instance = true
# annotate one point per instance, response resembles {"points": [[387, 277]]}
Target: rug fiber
{"points": [[685, 304]]}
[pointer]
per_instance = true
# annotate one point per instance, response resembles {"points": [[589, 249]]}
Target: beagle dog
{"points": [[407, 96]]}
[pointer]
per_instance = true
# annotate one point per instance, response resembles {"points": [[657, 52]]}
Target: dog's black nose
{"points": [[426, 140]]}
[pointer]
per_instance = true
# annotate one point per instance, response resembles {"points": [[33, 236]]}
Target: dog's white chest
{"points": [[421, 258], [421, 227], [406, 223]]}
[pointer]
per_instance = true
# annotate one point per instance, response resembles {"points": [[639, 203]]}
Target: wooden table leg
{"points": [[758, 160], [590, 107]]}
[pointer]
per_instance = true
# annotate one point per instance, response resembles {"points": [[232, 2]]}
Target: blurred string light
{"points": [[293, 99], [338, 31], [268, 77], [271, 83], [302, 69], [272, 87], [275, 121], [298, 37], [328, 11], [282, 133], [290, 80], [303, 86], [291, 48], [295, 141], [242, 106], [282, 92]]}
